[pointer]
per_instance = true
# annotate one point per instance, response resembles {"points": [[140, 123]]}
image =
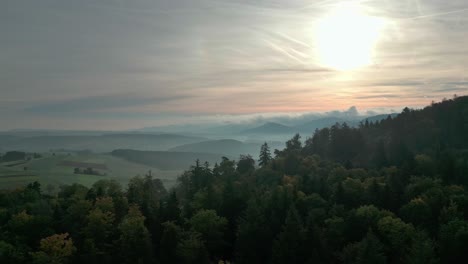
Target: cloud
{"points": [[378, 96], [452, 89], [397, 84], [92, 104], [352, 111], [457, 83], [300, 118]]}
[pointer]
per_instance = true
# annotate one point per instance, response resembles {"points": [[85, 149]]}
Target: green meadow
{"points": [[55, 170]]}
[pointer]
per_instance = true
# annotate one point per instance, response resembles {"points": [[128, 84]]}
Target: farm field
{"points": [[56, 170], [13, 176]]}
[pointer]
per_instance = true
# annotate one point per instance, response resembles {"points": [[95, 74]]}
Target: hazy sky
{"points": [[115, 64]]}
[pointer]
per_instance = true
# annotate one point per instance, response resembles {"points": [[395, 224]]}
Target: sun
{"points": [[346, 38]]}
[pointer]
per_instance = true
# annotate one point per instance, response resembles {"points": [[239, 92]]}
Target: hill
{"points": [[228, 147], [270, 128], [5, 140], [166, 160], [98, 143]]}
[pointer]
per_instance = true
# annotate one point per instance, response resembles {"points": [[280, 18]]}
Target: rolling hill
{"points": [[98, 143], [166, 160], [270, 128], [228, 147]]}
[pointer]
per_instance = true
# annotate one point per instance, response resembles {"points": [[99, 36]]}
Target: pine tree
{"points": [[265, 155], [171, 210]]}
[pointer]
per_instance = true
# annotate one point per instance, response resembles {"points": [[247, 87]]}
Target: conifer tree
{"points": [[265, 155]]}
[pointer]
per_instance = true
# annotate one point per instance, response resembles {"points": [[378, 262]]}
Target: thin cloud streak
{"points": [[93, 104]]}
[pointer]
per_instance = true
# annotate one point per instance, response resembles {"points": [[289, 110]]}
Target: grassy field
{"points": [[57, 170], [12, 176]]}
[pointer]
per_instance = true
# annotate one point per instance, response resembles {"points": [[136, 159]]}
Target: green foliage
{"points": [[417, 211], [454, 241], [99, 227], [135, 239], [192, 250], [368, 250], [254, 237], [396, 234], [211, 227], [13, 156], [11, 254], [245, 164], [289, 246], [422, 250], [170, 239]]}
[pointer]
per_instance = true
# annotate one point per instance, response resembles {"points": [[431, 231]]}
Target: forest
{"points": [[390, 191]]}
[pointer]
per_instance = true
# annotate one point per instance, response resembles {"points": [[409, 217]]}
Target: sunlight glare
{"points": [[346, 37]]}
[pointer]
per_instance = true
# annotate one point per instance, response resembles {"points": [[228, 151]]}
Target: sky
{"points": [[117, 64]]}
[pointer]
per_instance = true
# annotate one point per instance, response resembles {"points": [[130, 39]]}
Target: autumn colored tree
{"points": [[55, 249]]}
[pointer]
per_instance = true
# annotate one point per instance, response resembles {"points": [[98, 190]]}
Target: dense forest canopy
{"points": [[384, 192]]}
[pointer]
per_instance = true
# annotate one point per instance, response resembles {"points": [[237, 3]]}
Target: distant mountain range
{"points": [[270, 128], [231, 139], [276, 125], [308, 128], [379, 117]]}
